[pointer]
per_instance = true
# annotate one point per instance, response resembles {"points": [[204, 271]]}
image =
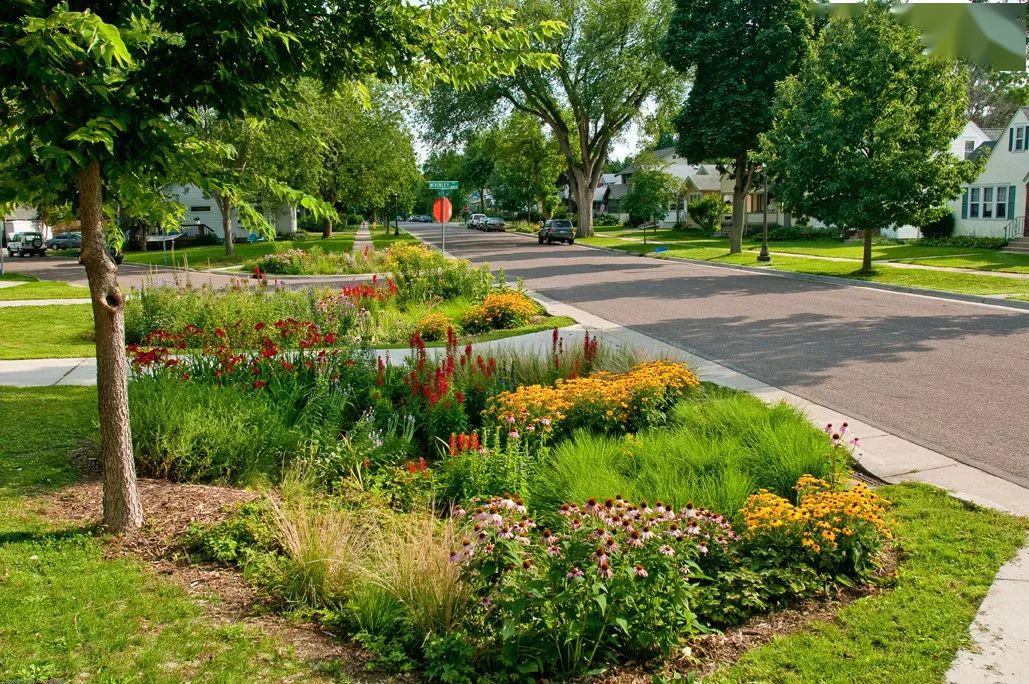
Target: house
{"points": [[20, 219], [605, 197], [203, 216], [996, 203]]}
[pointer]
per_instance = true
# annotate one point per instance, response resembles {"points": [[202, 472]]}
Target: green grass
{"points": [[69, 614], [991, 260], [213, 256], [719, 448], [51, 331], [381, 240], [692, 246], [39, 289], [950, 552]]}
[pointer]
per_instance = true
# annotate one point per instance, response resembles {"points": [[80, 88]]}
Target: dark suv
{"points": [[557, 230]]}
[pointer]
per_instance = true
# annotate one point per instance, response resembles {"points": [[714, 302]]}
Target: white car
{"points": [[476, 221], [26, 244]]}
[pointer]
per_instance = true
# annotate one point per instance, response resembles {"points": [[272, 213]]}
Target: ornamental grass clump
{"points": [[605, 402], [608, 581]]}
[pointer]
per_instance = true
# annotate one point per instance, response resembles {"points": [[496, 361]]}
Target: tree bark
{"points": [[327, 230], [740, 190], [122, 507], [225, 205], [584, 198], [866, 256]]}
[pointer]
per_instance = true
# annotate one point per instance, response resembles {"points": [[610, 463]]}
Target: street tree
{"points": [[608, 68], [478, 161], [528, 163], [650, 192], [737, 51], [90, 99], [860, 136]]}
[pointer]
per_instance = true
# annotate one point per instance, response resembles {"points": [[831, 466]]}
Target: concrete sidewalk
{"points": [[41, 302]]}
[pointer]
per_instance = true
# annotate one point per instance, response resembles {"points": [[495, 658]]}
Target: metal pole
{"points": [[3, 244], [764, 255]]}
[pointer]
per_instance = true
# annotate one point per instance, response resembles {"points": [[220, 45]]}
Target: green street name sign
{"points": [[442, 185]]}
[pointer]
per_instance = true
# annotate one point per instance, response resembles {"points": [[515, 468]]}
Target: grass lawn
{"points": [[692, 246], [68, 614], [950, 552], [51, 331], [39, 289], [382, 240], [213, 256], [991, 260]]}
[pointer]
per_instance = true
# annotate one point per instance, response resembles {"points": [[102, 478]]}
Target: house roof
{"points": [[993, 133], [616, 191], [706, 181]]}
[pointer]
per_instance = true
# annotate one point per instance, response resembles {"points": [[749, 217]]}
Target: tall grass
{"points": [[717, 450]]}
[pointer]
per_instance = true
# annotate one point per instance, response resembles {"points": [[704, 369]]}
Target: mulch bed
{"points": [[170, 508]]}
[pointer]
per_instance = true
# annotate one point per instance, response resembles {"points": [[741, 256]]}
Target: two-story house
{"points": [[203, 214], [996, 203]]}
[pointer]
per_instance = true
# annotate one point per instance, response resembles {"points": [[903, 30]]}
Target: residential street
{"points": [[949, 375]]}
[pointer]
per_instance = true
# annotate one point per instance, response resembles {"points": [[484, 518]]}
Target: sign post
{"points": [[441, 208]]}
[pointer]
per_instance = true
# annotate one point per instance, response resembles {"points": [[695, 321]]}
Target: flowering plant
{"points": [[433, 326], [500, 310], [831, 528], [609, 580], [604, 401]]}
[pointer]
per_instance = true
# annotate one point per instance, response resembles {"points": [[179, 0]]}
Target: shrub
{"points": [[433, 326], [470, 469], [606, 220], [314, 261], [707, 212], [963, 241], [423, 274], [942, 227], [830, 528], [798, 232], [609, 582], [234, 540], [500, 310], [603, 401], [193, 432]]}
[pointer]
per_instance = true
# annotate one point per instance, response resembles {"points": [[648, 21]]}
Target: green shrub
{"points": [[206, 433], [716, 452], [941, 228], [605, 220], [781, 233], [707, 212], [423, 274], [963, 241], [233, 540]]}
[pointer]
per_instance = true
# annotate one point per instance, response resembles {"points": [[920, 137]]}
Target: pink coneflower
{"points": [[513, 434], [702, 548], [640, 571], [574, 574], [647, 533], [553, 551], [667, 550], [605, 570]]}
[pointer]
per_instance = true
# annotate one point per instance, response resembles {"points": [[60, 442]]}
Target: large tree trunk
{"points": [[740, 191], [584, 200], [327, 230], [225, 206], [866, 257], [122, 507]]}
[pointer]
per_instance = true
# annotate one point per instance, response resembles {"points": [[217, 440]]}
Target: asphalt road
{"points": [[949, 375]]}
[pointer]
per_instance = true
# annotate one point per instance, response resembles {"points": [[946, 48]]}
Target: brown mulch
{"points": [[169, 509]]}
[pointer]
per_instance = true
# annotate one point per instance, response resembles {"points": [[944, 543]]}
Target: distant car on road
{"points": [[421, 218], [557, 230], [475, 221], [494, 223], [70, 240], [26, 244]]}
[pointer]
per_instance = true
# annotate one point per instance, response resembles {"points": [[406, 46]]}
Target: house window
{"points": [[987, 202], [694, 197], [1002, 202], [973, 203], [969, 146], [193, 210], [1020, 138]]}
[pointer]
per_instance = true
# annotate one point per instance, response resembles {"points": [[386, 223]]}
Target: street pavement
{"points": [[129, 275], [949, 375]]}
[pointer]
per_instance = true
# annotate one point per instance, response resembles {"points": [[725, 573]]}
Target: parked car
{"points": [[475, 221], [494, 223], [421, 218], [117, 256], [26, 244], [70, 240], [557, 230]]}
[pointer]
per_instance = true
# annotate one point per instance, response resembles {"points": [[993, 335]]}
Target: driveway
{"points": [[949, 375]]}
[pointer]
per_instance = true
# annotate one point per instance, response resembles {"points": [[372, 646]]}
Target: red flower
{"points": [[258, 384], [259, 326]]}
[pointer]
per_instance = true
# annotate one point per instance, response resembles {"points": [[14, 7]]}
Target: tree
{"points": [[651, 191], [89, 101], [445, 164], [608, 67], [993, 96], [707, 212], [737, 51], [477, 163], [860, 136], [528, 164]]}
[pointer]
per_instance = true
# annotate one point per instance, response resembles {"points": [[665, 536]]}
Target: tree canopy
{"points": [[737, 51], [608, 66], [860, 136]]}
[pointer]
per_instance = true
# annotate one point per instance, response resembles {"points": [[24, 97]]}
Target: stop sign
{"points": [[442, 209]]}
